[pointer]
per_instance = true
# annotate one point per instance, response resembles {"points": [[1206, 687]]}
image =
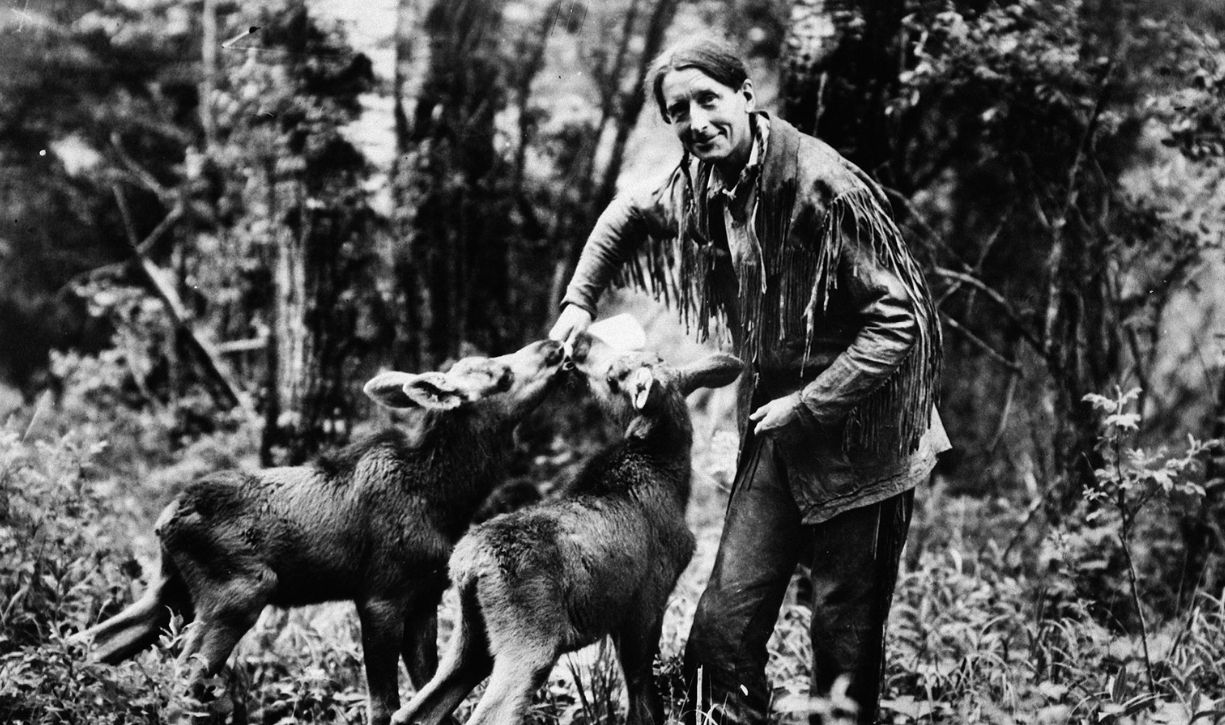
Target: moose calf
{"points": [[373, 523], [599, 560]]}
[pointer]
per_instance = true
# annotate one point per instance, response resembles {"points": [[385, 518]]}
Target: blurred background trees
{"points": [[228, 215]]}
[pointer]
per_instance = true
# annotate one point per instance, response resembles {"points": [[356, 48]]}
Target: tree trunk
{"points": [[270, 438], [1203, 526], [208, 72], [413, 302], [294, 353], [840, 60], [454, 222]]}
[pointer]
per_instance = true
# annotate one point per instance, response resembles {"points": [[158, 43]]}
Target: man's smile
{"points": [[704, 142]]}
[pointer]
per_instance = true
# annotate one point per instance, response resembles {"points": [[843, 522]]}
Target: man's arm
{"points": [[621, 228], [888, 332], [615, 236]]}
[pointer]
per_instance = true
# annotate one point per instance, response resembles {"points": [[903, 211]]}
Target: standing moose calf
{"points": [[601, 559], [373, 523]]}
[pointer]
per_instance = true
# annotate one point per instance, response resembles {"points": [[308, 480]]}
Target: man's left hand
{"points": [[776, 414]]}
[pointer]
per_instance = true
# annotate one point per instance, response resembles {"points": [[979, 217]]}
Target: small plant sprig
{"points": [[1130, 478]]}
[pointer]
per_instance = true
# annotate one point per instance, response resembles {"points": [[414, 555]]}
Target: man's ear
{"points": [[433, 391], [750, 96]]}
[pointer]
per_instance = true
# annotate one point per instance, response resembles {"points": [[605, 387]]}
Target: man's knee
{"points": [[715, 636]]}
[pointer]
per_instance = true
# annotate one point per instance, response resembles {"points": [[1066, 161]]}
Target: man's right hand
{"points": [[572, 320]]}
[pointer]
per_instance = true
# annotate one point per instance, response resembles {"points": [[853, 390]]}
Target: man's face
{"points": [[710, 119]]}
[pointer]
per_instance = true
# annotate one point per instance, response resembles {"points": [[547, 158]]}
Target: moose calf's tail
{"points": [[138, 627]]}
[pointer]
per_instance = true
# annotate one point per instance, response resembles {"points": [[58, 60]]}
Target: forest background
{"points": [[221, 218]]}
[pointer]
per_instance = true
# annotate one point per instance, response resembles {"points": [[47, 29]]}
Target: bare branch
{"points": [[933, 238], [140, 173], [142, 247], [238, 346], [978, 342], [174, 306], [997, 298], [1002, 424], [89, 274]]}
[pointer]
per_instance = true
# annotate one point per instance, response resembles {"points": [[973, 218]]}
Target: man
{"points": [[789, 246]]}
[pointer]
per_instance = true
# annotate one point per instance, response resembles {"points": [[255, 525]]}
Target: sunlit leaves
{"points": [[1132, 476]]}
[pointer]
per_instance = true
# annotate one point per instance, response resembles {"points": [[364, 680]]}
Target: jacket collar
{"points": [[757, 154]]}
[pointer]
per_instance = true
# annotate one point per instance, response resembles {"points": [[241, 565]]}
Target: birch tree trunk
{"points": [[294, 368], [317, 244]]}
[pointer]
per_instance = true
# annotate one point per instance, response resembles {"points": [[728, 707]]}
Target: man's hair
{"points": [[716, 58]]}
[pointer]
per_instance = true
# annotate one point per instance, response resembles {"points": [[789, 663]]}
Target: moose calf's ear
{"points": [[388, 389], [641, 386], [434, 391], [712, 371]]}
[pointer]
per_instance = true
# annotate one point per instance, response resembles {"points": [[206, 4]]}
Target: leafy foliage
{"points": [[1028, 164], [979, 639], [61, 568]]}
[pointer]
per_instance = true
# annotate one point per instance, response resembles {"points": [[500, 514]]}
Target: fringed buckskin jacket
{"points": [[809, 274]]}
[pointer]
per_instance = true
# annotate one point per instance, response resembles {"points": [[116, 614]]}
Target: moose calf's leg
{"points": [[419, 648], [224, 613], [517, 673], [210, 642], [382, 636], [136, 628], [466, 663], [637, 645]]}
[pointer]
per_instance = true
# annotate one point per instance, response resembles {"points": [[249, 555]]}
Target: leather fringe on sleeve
{"points": [[675, 269], [896, 415]]}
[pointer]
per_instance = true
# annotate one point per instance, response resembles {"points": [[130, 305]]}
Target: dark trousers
{"points": [[854, 560]]}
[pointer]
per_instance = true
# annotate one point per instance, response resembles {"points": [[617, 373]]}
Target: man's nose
{"points": [[700, 120]]}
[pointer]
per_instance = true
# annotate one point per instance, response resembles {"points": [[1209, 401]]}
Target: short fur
{"points": [[599, 561], [373, 523]]}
